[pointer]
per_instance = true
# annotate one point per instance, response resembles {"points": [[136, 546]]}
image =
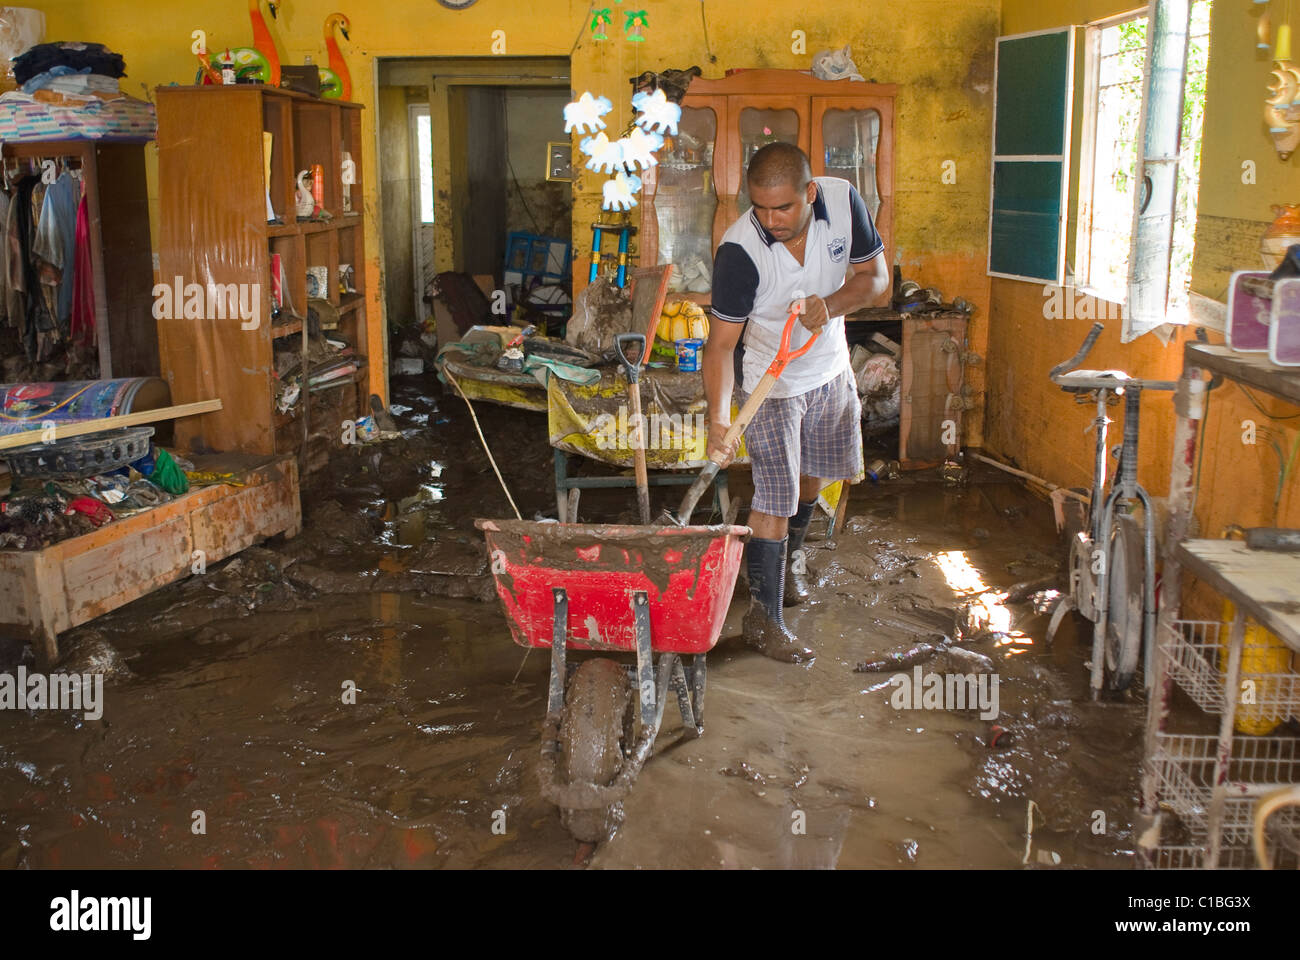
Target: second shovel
{"points": [[632, 367]]}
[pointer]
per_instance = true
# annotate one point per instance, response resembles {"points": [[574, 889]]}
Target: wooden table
{"points": [[1263, 582], [71, 582]]}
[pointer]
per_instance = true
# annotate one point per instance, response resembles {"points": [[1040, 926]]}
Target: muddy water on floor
{"points": [[813, 767], [234, 703], [255, 730]]}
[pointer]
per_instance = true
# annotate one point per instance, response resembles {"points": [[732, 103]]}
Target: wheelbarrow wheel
{"points": [[591, 742]]}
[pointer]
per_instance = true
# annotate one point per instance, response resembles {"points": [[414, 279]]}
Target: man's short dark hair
{"points": [[779, 163]]}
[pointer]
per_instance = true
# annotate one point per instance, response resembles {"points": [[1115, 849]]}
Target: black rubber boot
{"points": [[796, 564], [764, 626]]}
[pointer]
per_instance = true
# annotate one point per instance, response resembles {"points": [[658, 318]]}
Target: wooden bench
{"points": [[45, 592]]}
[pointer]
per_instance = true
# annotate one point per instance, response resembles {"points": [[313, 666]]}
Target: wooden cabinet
{"points": [[214, 193], [698, 188], [117, 210]]}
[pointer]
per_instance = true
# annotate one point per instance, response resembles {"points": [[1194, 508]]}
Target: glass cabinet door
{"points": [[850, 139], [686, 199], [854, 139], [760, 126]]}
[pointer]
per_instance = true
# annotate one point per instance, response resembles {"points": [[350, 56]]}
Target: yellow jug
{"points": [[1263, 657]]}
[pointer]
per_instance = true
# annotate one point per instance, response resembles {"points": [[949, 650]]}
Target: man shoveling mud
{"points": [[793, 249]]}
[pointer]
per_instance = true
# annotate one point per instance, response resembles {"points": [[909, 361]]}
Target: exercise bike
{"points": [[1112, 565]]}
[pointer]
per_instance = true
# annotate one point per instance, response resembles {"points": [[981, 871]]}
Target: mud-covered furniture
{"points": [[593, 422], [71, 582], [213, 197], [933, 396]]}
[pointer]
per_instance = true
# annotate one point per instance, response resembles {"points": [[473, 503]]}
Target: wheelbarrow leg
{"points": [[698, 677], [645, 670], [559, 642], [668, 662], [680, 684]]}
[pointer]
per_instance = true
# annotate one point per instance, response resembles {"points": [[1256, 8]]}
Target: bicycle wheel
{"points": [[1124, 591]]}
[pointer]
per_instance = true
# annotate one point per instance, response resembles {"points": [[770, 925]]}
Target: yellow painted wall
{"points": [[1034, 424], [939, 52]]}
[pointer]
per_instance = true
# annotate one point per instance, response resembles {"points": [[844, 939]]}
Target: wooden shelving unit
{"points": [[213, 189]]}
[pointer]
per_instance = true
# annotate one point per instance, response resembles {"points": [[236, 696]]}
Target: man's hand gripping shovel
{"points": [[783, 357]]}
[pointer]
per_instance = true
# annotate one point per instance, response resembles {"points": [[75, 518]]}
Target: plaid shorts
{"points": [[816, 434]]}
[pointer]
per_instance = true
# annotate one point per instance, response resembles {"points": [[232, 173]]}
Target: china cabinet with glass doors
{"points": [[698, 188]]}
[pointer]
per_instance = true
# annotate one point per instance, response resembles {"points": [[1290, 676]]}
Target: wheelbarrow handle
{"points": [[784, 354], [631, 366]]}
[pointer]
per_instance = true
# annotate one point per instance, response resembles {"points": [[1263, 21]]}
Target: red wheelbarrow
{"points": [[658, 593]]}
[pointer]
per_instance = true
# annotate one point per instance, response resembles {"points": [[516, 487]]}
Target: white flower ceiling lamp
{"points": [[634, 151]]}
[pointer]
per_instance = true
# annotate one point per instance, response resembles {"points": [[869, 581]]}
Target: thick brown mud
{"points": [[352, 698]]}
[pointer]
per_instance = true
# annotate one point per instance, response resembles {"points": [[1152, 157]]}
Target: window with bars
{"points": [[1115, 52]]}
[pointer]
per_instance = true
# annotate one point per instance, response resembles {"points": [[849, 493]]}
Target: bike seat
{"points": [[1082, 381]]}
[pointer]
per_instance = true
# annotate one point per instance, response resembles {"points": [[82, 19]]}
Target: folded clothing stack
{"points": [[71, 90], [79, 56]]}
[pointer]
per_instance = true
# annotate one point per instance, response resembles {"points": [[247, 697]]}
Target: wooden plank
{"points": [[929, 377], [123, 570], [80, 428], [1253, 369], [18, 581], [119, 221], [51, 589], [272, 506], [1261, 582]]}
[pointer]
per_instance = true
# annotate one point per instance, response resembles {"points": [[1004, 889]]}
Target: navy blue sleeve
{"points": [[866, 241], [735, 283]]}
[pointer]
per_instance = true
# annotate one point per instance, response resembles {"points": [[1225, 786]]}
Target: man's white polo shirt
{"points": [[755, 278]]}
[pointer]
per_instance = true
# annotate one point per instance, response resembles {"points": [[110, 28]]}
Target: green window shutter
{"points": [[1031, 163]]}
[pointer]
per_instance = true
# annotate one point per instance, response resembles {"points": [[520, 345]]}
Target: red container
{"points": [[688, 572]]}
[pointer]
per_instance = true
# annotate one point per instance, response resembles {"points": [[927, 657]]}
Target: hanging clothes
{"points": [[56, 236], [47, 276], [83, 275], [4, 258], [36, 327]]}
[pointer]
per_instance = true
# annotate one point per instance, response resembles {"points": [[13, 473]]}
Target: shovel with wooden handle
{"points": [[782, 359], [632, 367]]}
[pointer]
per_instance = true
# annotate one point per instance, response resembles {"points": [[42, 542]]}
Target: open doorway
{"points": [[463, 149]]}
